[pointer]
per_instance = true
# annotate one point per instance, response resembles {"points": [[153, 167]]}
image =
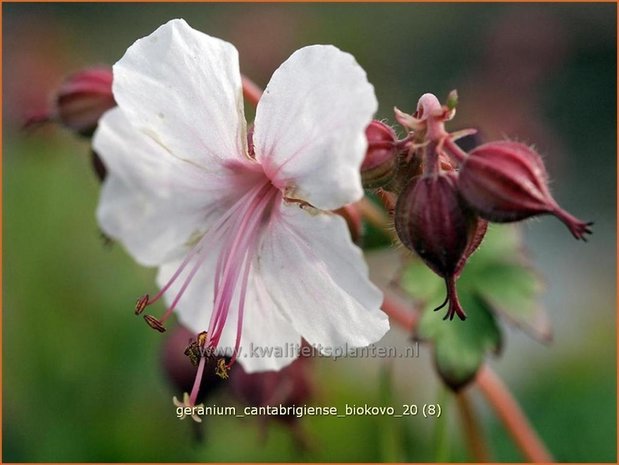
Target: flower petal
{"points": [[268, 341], [310, 126], [153, 203], [183, 89], [319, 280], [196, 305]]}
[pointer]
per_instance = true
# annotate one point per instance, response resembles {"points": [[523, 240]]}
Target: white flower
{"points": [[244, 239]]}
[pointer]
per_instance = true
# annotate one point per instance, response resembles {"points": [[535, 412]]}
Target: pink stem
{"points": [[454, 151], [251, 91], [399, 313]]}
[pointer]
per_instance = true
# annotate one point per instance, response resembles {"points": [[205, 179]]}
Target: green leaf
{"points": [[497, 280], [422, 283], [513, 291], [460, 346], [502, 242], [500, 272]]}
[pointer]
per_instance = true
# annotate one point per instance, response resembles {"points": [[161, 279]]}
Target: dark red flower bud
{"points": [[288, 387], [80, 101], [83, 98], [431, 220], [506, 181], [380, 163]]}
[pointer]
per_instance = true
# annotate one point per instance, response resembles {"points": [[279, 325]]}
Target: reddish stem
{"points": [[388, 199], [454, 151], [490, 384], [399, 313], [376, 216], [493, 388], [251, 91], [511, 414]]}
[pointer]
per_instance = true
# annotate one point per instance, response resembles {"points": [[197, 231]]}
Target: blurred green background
{"points": [[82, 379]]}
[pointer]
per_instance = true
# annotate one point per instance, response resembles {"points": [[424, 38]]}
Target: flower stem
{"points": [[492, 387], [399, 313], [388, 199], [472, 430], [511, 414], [377, 217], [442, 428], [454, 151], [251, 91]]}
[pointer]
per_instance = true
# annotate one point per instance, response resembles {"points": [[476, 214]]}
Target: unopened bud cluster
{"points": [[446, 196]]}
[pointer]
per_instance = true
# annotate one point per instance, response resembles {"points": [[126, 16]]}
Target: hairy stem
{"points": [[388, 199], [489, 383], [376, 216]]}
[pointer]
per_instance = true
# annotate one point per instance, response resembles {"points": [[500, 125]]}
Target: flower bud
{"points": [[380, 163], [288, 387], [83, 98], [80, 101], [431, 220], [506, 181]]}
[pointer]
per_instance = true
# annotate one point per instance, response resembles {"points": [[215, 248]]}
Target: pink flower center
{"points": [[238, 231]]}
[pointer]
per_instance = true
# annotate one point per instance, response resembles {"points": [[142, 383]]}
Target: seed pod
{"points": [[506, 181], [380, 163], [431, 220]]}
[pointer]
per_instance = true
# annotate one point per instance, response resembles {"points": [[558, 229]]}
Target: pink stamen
{"points": [[239, 227], [176, 274], [198, 381], [234, 256], [241, 311], [235, 260], [211, 236], [183, 288]]}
